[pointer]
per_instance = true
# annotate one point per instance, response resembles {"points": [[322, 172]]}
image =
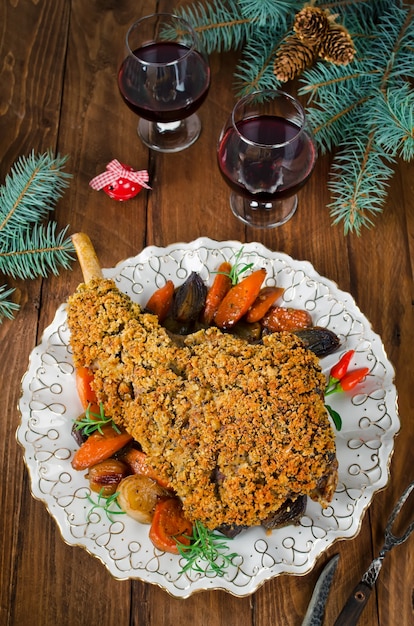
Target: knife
{"points": [[316, 608]]}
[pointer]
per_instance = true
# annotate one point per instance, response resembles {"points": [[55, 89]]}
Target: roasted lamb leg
{"points": [[237, 429]]}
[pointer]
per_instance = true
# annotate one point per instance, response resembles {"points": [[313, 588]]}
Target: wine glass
{"points": [[266, 154], [164, 78]]}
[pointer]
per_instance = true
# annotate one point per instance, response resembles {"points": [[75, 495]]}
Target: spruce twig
{"points": [[30, 191], [220, 24], [29, 245], [255, 69], [365, 110], [37, 252], [7, 308], [395, 117], [359, 184]]}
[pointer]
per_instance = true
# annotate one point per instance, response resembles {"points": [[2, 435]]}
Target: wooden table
{"points": [[58, 63]]}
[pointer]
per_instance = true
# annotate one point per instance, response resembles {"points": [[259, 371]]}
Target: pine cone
{"points": [[292, 58], [311, 24], [337, 46]]}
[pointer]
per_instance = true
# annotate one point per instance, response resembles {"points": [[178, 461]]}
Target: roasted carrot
{"points": [[221, 285], [160, 301], [267, 296], [239, 299], [138, 464], [169, 526], [99, 446], [87, 396]]}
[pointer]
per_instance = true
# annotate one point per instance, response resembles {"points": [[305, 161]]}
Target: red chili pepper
{"points": [[339, 370], [350, 380]]}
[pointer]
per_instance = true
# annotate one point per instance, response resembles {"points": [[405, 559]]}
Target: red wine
{"points": [[167, 92], [276, 168]]}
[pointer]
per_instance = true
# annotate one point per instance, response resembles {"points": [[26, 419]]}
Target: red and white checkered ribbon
{"points": [[116, 171]]}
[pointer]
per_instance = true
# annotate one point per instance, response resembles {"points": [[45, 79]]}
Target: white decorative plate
{"points": [[49, 403]]}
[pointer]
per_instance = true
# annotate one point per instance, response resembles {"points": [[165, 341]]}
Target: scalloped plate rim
{"points": [[264, 573]]}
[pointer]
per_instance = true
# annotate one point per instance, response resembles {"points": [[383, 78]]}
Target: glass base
{"points": [[170, 137], [263, 214]]}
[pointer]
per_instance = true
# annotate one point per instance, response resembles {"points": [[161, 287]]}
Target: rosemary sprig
{"points": [[209, 546], [90, 422], [105, 503], [237, 268]]}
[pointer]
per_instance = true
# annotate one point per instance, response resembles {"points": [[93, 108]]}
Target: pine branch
{"points": [[370, 100], [228, 25], [269, 13], [7, 308], [394, 119], [254, 71], [28, 247], [396, 31], [220, 24], [30, 191], [359, 186], [364, 8], [322, 81], [37, 252], [333, 121]]}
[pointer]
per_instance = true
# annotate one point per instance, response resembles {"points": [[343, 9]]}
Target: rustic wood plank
{"points": [[29, 120], [31, 76], [390, 300], [77, 109]]}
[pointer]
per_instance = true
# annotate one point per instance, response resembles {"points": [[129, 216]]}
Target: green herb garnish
{"points": [[105, 503], [89, 422], [237, 268], [209, 546]]}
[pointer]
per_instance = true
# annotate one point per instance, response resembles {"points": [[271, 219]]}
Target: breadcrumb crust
{"points": [[236, 428]]}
